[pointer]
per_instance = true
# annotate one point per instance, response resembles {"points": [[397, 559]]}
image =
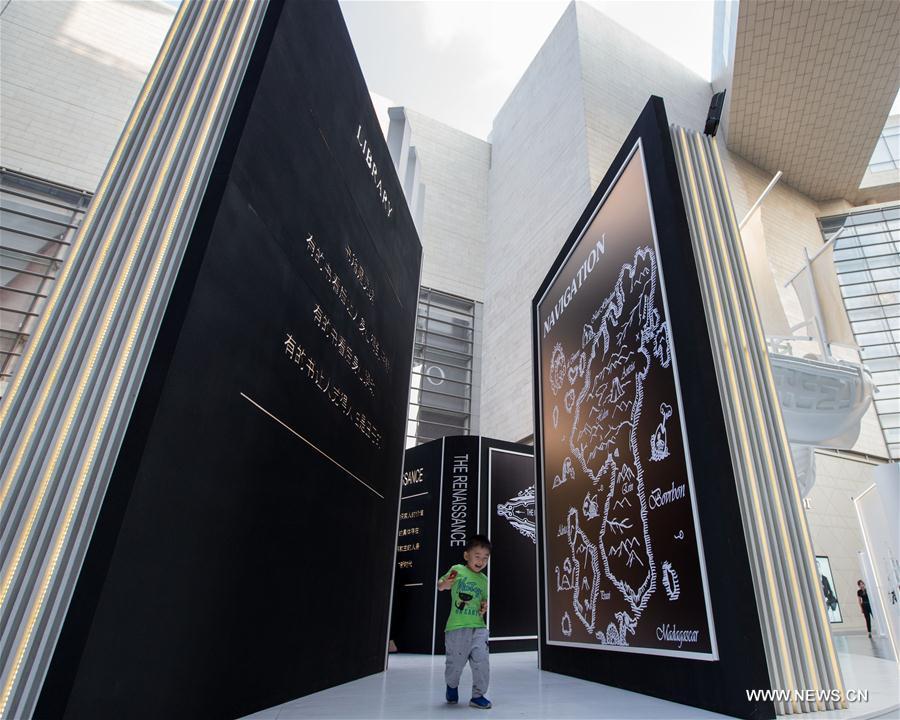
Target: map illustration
{"points": [[616, 477], [624, 338]]}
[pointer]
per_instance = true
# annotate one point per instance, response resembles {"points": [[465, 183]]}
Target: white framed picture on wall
{"points": [[829, 592]]}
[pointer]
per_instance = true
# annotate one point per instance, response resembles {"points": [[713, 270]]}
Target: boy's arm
{"points": [[447, 580]]}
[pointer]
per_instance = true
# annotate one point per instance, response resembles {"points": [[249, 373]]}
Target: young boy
{"points": [[466, 634]]}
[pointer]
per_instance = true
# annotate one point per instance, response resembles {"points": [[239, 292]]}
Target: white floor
{"points": [[413, 687]]}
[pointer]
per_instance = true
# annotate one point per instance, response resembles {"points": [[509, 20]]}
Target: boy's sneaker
{"points": [[480, 702], [452, 695]]}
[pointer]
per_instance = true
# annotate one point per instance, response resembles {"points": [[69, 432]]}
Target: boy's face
{"points": [[477, 558]]}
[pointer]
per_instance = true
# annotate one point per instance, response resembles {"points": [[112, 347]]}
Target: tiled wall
{"points": [[538, 186], [454, 172], [553, 141], [69, 75], [619, 73]]}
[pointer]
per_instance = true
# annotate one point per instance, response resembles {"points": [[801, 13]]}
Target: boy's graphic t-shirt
{"points": [[469, 589]]}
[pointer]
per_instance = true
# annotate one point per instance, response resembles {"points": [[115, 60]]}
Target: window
{"points": [[887, 150], [38, 222], [445, 368], [867, 262]]}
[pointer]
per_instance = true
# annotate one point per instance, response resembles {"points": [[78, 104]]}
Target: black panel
{"points": [[241, 554], [459, 515], [420, 612], [416, 572], [508, 471], [719, 684]]}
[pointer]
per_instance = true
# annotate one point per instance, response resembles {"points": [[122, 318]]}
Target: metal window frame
{"points": [[448, 337], [442, 322], [458, 397], [25, 233], [28, 272], [6, 209], [435, 407], [434, 422], [42, 201], [426, 347], [853, 240], [455, 382]]}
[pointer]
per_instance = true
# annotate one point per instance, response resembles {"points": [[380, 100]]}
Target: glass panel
{"points": [[881, 250], [443, 343], [833, 224], [883, 367], [875, 237], [891, 419], [856, 265], [867, 260], [881, 325], [881, 153], [882, 167], [449, 302], [890, 392], [455, 328], [433, 380], [870, 313], [864, 218], [880, 352], [442, 402], [447, 315], [437, 423], [849, 253], [879, 286], [888, 406], [437, 373]]}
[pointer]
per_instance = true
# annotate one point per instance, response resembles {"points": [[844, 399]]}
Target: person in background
{"points": [[863, 598], [465, 634]]}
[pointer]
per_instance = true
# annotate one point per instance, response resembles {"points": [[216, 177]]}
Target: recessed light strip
{"points": [[741, 447], [797, 627], [200, 126], [60, 438], [801, 543], [738, 451], [81, 245], [765, 469], [62, 359], [44, 417], [778, 482], [775, 527]]}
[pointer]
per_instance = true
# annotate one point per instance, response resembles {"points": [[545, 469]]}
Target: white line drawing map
{"points": [[566, 625], [604, 380], [609, 388], [659, 443], [670, 581]]}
